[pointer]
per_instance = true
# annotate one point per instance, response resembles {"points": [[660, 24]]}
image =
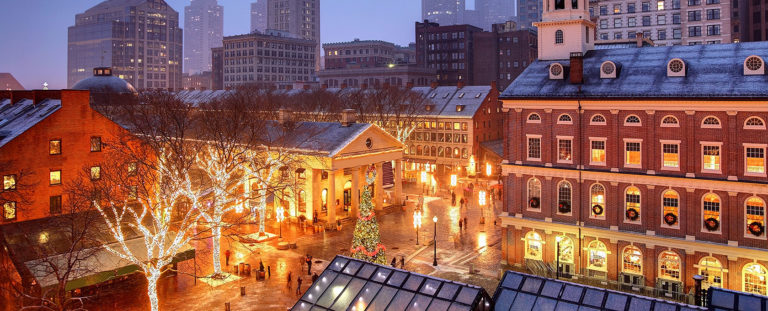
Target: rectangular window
{"points": [[694, 31], [694, 2], [534, 148], [755, 160], [630, 8], [9, 211], [54, 147], [564, 150], [95, 144], [55, 204], [646, 6], [713, 14], [603, 10], [713, 1], [660, 5], [713, 30], [598, 152], [603, 23], [617, 23], [711, 158], [677, 33], [676, 18], [617, 9], [617, 35], [631, 22], [95, 172], [670, 156], [694, 16], [9, 182], [662, 35], [633, 154], [661, 20], [55, 178], [646, 20]]}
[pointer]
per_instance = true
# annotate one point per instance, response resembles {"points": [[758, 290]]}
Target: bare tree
{"points": [[397, 110]]}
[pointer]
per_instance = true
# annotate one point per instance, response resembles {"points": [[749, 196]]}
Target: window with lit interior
{"points": [[533, 246], [632, 204], [755, 160], [669, 266], [670, 205], [710, 206], [755, 217], [564, 150], [711, 158], [670, 155], [597, 152], [633, 154], [597, 256], [712, 271], [597, 195], [632, 259], [755, 278]]}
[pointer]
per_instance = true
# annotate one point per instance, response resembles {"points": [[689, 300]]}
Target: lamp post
{"points": [[417, 223], [434, 219], [280, 217], [557, 273], [423, 181]]}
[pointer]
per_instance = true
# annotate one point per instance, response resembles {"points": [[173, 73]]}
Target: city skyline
{"points": [[33, 65]]}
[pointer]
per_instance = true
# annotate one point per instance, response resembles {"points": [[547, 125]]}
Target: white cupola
{"points": [[565, 28]]}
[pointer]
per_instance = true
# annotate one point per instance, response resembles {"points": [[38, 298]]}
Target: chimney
{"points": [[577, 68], [460, 84], [433, 84], [347, 117], [493, 85], [409, 85], [639, 39], [306, 87], [283, 116]]}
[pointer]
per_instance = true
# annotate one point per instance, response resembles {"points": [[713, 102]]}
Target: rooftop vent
{"points": [[676, 68], [608, 70], [556, 71], [348, 117], [754, 65]]}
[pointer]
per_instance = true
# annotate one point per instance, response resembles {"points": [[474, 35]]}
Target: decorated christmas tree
{"points": [[366, 241]]}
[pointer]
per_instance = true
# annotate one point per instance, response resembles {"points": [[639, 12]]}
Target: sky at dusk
{"points": [[34, 32]]}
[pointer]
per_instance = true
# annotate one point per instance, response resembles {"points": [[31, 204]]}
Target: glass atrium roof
{"points": [[351, 284], [724, 299]]}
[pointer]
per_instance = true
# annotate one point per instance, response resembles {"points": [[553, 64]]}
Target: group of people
{"points": [[307, 259], [402, 262]]}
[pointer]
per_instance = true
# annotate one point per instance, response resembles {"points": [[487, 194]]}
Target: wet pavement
{"points": [[477, 247]]}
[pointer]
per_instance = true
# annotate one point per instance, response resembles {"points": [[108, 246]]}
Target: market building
{"points": [[637, 167]]}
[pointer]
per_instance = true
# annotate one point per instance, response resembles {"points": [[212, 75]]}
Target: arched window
{"points": [[456, 153], [533, 245], [426, 150], [558, 36], [710, 207], [433, 151], [564, 197], [598, 256], [632, 259], [755, 217], [448, 152], [440, 152], [413, 149], [464, 153], [324, 199], [534, 118], [564, 119], [632, 204], [712, 271], [754, 123], [597, 195], [669, 266], [597, 119], [632, 120], [419, 150], [670, 121], [534, 193], [711, 122], [755, 278], [566, 248], [670, 208]]}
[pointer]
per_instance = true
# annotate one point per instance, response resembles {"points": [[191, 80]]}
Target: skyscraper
{"points": [[204, 22], [259, 15], [528, 12], [140, 39], [454, 12], [443, 12]]}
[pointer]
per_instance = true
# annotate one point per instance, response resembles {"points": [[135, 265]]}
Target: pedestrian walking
{"points": [[402, 262], [465, 223], [394, 262], [314, 277], [269, 271], [298, 287], [289, 280], [460, 227], [309, 264], [453, 198], [227, 253]]}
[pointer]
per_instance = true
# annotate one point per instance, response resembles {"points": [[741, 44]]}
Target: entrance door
{"points": [[347, 195]]}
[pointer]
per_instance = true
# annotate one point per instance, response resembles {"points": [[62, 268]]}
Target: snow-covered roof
{"points": [[713, 71], [445, 99], [327, 138], [19, 117], [195, 97]]}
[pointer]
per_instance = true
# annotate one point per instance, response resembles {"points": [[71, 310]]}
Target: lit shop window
{"points": [[711, 158], [95, 172], [670, 155], [534, 193], [632, 204], [670, 204], [711, 212], [566, 248], [597, 194], [755, 160], [669, 266], [755, 217], [9, 182], [533, 245], [633, 153], [598, 152], [755, 278], [632, 259], [598, 256], [712, 271]]}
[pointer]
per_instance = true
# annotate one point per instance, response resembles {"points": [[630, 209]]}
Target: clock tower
{"points": [[565, 28]]}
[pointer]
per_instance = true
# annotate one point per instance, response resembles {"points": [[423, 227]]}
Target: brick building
{"points": [[359, 53], [640, 167], [447, 49], [395, 75]]}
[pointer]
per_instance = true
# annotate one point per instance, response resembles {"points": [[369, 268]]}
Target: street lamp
{"points": [[434, 219], [417, 223], [481, 197], [453, 180], [280, 217], [488, 169], [423, 180], [557, 240]]}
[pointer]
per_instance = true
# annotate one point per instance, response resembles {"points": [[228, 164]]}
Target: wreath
{"points": [[564, 207], [670, 219], [632, 214], [756, 228], [597, 209], [534, 202], [711, 224]]}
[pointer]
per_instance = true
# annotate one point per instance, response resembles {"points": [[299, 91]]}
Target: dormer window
{"points": [[676, 68], [460, 108], [564, 119], [429, 107], [478, 95], [556, 71], [632, 120], [754, 65], [608, 70], [433, 95], [446, 95], [670, 121], [461, 95], [559, 37], [534, 118]]}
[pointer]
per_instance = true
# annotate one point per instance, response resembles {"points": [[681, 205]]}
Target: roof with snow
{"points": [[713, 71], [520, 291], [351, 284], [18, 117], [327, 138], [452, 101]]}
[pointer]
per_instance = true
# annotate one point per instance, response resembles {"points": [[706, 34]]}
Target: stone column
{"points": [[355, 190], [378, 187], [314, 192], [398, 182], [331, 199]]}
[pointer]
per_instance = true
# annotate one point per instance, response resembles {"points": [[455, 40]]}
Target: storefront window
{"points": [[755, 278], [598, 256], [632, 259], [533, 245], [712, 271], [669, 266], [566, 249]]}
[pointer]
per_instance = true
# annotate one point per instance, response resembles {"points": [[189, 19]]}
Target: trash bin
{"points": [[236, 269], [248, 269], [242, 290], [226, 306]]}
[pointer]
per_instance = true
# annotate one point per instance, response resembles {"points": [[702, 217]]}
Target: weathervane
{"points": [[45, 85]]}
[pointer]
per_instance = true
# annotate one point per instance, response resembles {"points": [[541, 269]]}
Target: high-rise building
{"points": [[444, 12], [140, 39], [454, 12], [204, 24], [259, 15], [752, 18], [528, 12]]}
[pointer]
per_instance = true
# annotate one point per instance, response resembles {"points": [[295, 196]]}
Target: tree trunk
{"points": [[216, 246], [152, 278]]}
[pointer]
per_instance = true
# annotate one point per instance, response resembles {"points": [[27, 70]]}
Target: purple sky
{"points": [[34, 32]]}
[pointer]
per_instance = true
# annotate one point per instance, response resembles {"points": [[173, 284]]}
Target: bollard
{"points": [[242, 290], [226, 306]]}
